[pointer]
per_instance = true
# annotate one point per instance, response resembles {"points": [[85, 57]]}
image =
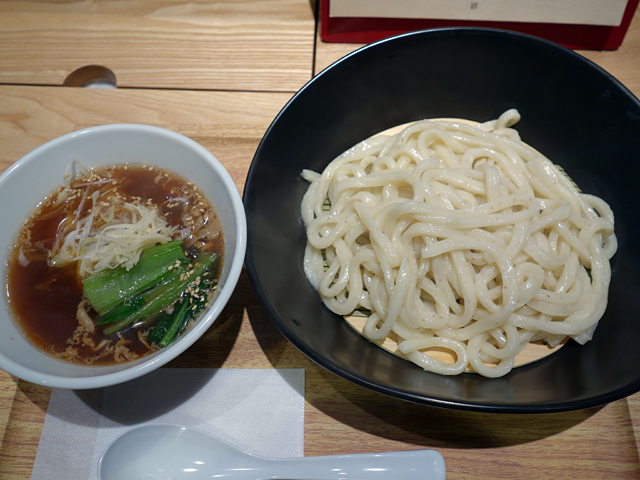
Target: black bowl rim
{"points": [[523, 408]]}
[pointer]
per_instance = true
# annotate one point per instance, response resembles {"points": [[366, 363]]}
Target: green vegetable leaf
{"points": [[177, 283], [107, 289]]}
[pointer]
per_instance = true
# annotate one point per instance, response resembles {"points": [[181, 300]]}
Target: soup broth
{"points": [[45, 296]]}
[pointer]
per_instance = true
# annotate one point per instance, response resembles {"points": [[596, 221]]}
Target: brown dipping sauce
{"points": [[44, 299]]}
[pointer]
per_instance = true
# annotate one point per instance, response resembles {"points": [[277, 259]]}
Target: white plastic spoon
{"points": [[163, 452]]}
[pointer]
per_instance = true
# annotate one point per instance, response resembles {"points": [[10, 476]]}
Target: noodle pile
{"points": [[459, 238]]}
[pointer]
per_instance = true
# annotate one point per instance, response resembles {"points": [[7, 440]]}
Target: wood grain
{"points": [[202, 44], [259, 52], [31, 116]]}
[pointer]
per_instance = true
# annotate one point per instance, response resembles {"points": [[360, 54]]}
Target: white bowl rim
{"points": [[166, 355]]}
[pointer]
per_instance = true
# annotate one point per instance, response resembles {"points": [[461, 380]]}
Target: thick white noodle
{"points": [[459, 238]]}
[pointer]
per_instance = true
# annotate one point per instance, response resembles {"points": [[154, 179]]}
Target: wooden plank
{"points": [[596, 443], [235, 121], [203, 44]]}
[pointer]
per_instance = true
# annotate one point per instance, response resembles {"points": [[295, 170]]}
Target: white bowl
{"points": [[40, 172]]}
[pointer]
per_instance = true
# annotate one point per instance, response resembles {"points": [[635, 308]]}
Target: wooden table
{"points": [[219, 71]]}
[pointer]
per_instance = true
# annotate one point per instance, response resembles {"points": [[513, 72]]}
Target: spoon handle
{"points": [[407, 465]]}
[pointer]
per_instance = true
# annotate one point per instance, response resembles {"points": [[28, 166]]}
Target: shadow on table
{"points": [[434, 427], [403, 421], [204, 356], [342, 401]]}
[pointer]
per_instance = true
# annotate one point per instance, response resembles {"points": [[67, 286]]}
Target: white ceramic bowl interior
{"points": [[40, 172]]}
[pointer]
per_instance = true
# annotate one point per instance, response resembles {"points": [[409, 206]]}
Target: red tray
{"points": [[367, 30]]}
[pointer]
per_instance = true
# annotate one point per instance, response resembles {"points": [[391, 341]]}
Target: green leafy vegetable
{"points": [[161, 327], [108, 288], [121, 310], [182, 281], [180, 319]]}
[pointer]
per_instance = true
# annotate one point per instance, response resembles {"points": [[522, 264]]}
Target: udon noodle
{"points": [[459, 238]]}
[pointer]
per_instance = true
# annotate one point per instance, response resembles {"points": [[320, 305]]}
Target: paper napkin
{"points": [[259, 411]]}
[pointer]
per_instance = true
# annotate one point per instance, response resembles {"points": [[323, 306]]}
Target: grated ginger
{"points": [[118, 243]]}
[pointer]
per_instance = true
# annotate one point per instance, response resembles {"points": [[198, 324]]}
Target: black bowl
{"points": [[572, 111]]}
